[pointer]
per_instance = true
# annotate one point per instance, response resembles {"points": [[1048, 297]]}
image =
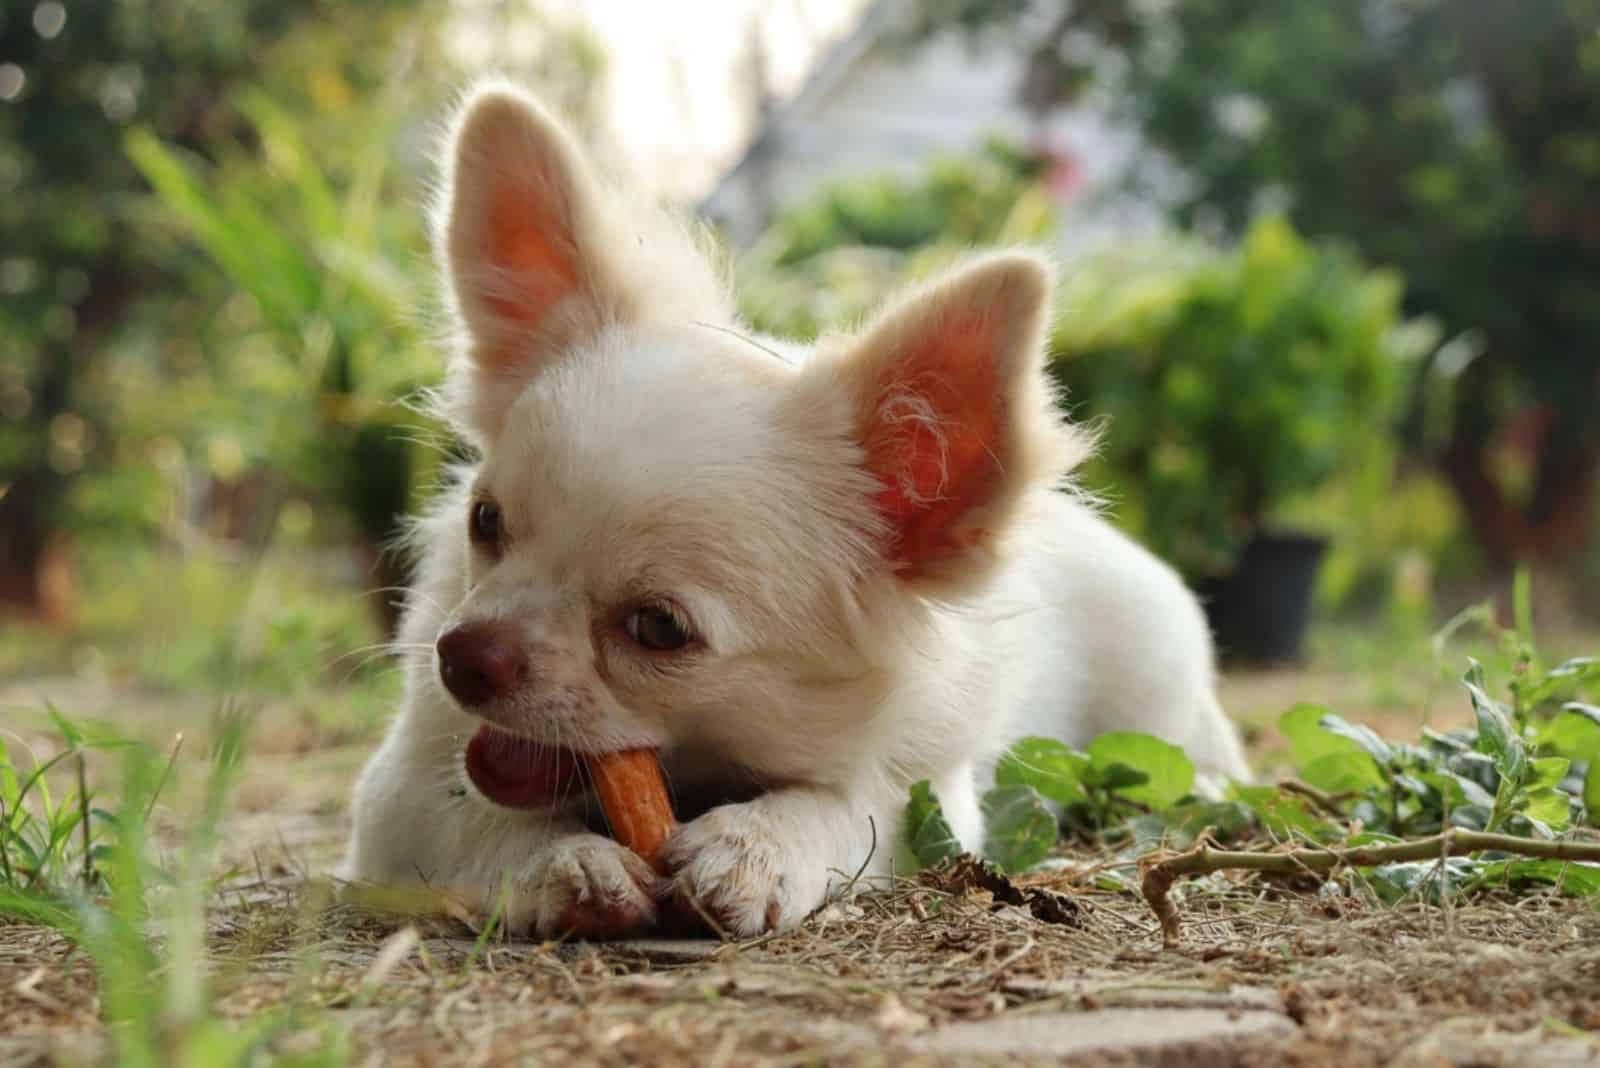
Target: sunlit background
{"points": [[1331, 278]]}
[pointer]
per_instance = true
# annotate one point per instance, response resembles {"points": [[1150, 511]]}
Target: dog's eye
{"points": [[483, 525], [658, 627]]}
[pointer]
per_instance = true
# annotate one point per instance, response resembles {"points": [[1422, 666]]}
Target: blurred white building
{"points": [[743, 106]]}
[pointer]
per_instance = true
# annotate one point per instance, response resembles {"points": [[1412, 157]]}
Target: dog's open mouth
{"points": [[519, 773]]}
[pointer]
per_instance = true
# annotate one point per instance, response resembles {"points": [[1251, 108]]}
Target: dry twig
{"points": [[1160, 874]]}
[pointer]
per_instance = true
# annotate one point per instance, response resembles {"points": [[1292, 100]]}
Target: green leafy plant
{"points": [[1452, 139], [48, 845], [928, 835], [1041, 785], [1496, 805], [1233, 382]]}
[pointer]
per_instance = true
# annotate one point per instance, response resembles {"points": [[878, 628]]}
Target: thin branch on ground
{"points": [[1327, 803], [1159, 875]]}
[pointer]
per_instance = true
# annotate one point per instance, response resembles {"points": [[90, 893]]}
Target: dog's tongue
{"points": [[517, 773]]}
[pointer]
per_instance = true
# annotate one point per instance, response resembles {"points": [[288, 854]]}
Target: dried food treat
{"points": [[633, 794]]}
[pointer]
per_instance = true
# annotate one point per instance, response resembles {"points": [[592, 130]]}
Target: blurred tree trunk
{"points": [[36, 560], [1556, 523]]}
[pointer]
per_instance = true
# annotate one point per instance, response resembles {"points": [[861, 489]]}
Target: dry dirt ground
{"points": [[934, 971]]}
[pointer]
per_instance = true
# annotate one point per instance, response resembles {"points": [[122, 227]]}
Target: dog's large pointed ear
{"points": [[955, 416], [519, 244]]}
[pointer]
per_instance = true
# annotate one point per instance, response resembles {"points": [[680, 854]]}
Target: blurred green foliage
{"points": [[92, 286], [1456, 140], [329, 297], [1234, 387], [226, 303], [827, 261], [1232, 383]]}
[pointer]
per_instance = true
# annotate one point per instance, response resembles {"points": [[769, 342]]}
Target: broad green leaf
{"points": [[1570, 877], [1407, 754], [1547, 772], [1587, 711], [1569, 678], [1049, 766], [1170, 772], [1176, 827], [1479, 767], [1113, 777], [1550, 807], [1426, 877], [1450, 742], [1573, 734], [1019, 830], [1360, 734], [1367, 813], [1424, 794], [1458, 790], [1496, 736], [1394, 881], [1470, 817], [1581, 667], [1117, 880], [927, 835], [1308, 742], [1346, 772], [1283, 815]]}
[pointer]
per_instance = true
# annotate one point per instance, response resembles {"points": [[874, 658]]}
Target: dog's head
{"points": [[679, 536]]}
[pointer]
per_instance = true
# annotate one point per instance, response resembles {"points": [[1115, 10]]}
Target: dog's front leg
{"points": [[579, 884], [764, 865]]}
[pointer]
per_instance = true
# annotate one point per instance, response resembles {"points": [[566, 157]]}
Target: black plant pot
{"points": [[1259, 612]]}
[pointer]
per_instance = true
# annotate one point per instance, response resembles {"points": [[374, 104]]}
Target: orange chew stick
{"points": [[634, 796]]}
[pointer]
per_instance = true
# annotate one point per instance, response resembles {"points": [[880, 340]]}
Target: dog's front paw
{"points": [[730, 865], [585, 886]]}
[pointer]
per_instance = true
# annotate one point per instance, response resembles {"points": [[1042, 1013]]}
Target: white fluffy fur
{"points": [[640, 447]]}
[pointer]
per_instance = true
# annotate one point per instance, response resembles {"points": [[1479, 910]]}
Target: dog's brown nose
{"points": [[481, 661]]}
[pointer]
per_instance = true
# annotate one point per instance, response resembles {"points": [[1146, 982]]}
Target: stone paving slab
{"points": [[1154, 1036], [1468, 1044]]}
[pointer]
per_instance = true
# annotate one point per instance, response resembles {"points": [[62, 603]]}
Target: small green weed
{"points": [[51, 846], [92, 875]]}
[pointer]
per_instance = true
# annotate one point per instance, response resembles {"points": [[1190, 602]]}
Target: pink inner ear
{"points": [[933, 475], [529, 241]]}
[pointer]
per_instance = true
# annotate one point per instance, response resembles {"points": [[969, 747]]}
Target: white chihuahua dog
{"points": [[807, 576]]}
